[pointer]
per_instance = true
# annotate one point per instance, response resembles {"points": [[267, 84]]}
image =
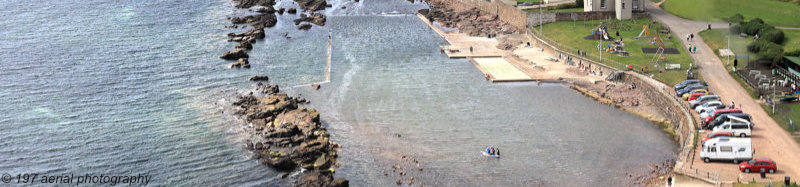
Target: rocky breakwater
{"points": [[286, 136], [264, 18], [472, 21], [310, 6]]}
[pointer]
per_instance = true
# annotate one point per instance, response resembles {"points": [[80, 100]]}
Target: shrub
{"points": [[766, 49], [771, 34], [757, 20], [751, 27], [579, 3], [736, 28], [793, 53], [735, 18]]}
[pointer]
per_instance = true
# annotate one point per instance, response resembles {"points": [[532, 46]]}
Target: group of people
{"points": [[493, 151], [692, 48]]}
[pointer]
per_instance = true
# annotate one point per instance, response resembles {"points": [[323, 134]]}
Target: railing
{"points": [[708, 176], [789, 75], [571, 51]]}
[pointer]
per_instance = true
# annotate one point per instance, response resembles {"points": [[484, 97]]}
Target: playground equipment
{"points": [[644, 32], [600, 32], [659, 56]]}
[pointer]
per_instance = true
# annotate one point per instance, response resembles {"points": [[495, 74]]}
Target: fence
{"points": [[589, 57], [706, 175]]}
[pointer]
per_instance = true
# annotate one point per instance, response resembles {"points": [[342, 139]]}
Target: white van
{"points": [[736, 126], [725, 148]]}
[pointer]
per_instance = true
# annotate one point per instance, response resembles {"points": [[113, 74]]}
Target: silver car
{"points": [[703, 99], [709, 105]]}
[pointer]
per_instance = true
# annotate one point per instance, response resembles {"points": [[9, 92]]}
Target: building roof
{"points": [[793, 59]]}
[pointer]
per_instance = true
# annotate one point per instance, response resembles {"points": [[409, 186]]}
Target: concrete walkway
{"points": [[769, 139]]}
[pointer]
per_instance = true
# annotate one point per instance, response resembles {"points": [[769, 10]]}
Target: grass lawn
{"points": [[573, 38], [773, 12], [792, 41], [783, 113], [528, 1], [716, 39]]}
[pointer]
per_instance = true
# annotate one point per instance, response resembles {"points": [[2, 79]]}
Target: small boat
{"points": [[484, 153], [788, 99]]}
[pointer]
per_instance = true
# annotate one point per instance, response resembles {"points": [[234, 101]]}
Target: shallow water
{"points": [[129, 87]]}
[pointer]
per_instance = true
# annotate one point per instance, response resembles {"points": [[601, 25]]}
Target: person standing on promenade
{"points": [[470, 49]]}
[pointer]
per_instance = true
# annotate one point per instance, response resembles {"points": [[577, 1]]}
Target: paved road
{"points": [[769, 139]]}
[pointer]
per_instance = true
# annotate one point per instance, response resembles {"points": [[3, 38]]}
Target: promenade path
{"points": [[769, 139]]}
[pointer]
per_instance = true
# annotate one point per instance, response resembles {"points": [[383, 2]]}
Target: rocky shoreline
{"points": [[472, 21], [283, 134], [286, 136]]}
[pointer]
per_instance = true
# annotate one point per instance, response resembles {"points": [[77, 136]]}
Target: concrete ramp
{"points": [[500, 70]]}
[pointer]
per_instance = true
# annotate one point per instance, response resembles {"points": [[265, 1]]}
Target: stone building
{"points": [[623, 9]]}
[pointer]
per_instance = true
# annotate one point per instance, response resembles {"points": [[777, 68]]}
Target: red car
{"points": [[714, 135], [758, 164], [719, 112], [695, 96]]}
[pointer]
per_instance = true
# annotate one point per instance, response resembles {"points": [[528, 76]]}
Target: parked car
{"points": [[724, 118], [686, 83], [686, 96], [736, 126], [720, 112], [709, 105], [714, 135], [689, 88], [708, 112], [703, 99], [768, 165], [694, 96], [722, 148]]}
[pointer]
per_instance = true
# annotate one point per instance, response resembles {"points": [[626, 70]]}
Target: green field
{"points": [[572, 38], [783, 113], [773, 12], [528, 1], [792, 40], [717, 39]]}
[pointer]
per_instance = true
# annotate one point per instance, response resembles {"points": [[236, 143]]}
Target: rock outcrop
{"points": [[258, 21], [315, 18], [312, 5], [259, 78], [288, 136], [235, 54], [252, 3], [241, 63]]}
